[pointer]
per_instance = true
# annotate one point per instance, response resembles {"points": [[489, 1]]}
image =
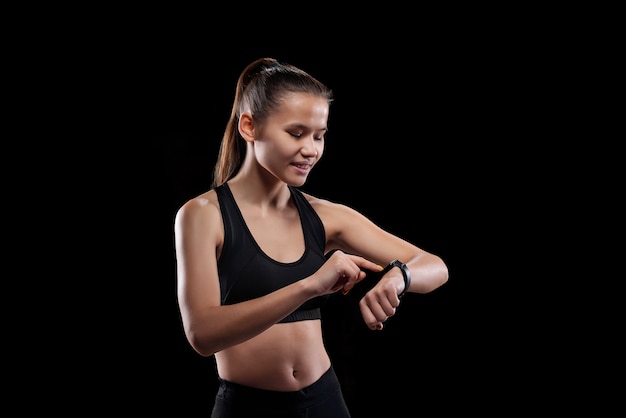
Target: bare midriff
{"points": [[286, 357]]}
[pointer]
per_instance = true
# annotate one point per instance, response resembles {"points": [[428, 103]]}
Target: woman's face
{"points": [[291, 141]]}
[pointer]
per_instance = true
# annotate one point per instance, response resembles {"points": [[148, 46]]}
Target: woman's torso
{"points": [[288, 245]]}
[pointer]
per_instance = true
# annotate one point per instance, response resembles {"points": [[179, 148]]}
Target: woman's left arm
{"points": [[352, 232]]}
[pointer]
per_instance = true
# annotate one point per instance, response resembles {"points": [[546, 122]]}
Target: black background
{"points": [[422, 140], [469, 131], [400, 151]]}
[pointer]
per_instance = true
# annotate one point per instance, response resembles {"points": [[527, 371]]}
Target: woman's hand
{"points": [[380, 303], [342, 271]]}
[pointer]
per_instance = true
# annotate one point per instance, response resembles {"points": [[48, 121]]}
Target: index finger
{"points": [[364, 263]]}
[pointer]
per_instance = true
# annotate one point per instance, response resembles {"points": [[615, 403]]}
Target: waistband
{"points": [[315, 392], [302, 315]]}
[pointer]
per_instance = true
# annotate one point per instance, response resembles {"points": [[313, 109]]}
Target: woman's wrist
{"points": [[406, 274]]}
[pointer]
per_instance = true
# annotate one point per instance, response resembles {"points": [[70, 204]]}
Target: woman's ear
{"points": [[246, 126]]}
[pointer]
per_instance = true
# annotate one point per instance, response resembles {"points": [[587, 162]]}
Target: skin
{"points": [[245, 338]]}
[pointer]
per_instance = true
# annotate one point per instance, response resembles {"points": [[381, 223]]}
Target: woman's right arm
{"points": [[210, 327]]}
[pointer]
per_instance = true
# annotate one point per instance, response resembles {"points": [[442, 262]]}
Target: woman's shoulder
{"points": [[203, 205], [316, 201], [325, 207]]}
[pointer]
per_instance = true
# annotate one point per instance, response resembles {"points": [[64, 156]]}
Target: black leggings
{"points": [[321, 399]]}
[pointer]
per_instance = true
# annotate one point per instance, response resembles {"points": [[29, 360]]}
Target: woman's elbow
{"points": [[199, 344], [437, 276], [442, 275]]}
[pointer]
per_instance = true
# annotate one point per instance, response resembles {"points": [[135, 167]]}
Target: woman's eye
{"points": [[301, 134]]}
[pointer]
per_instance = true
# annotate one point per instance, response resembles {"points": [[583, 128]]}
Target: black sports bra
{"points": [[246, 272]]}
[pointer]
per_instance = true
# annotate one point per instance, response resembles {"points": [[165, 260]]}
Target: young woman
{"points": [[257, 257]]}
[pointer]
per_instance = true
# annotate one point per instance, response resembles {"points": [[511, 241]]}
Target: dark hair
{"points": [[260, 89]]}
